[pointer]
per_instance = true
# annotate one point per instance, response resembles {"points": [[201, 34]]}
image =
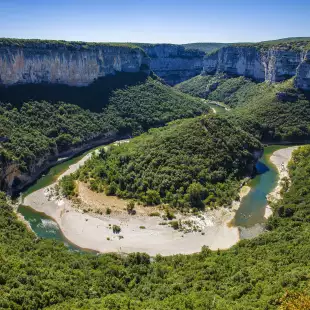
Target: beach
{"points": [[280, 159], [140, 232]]}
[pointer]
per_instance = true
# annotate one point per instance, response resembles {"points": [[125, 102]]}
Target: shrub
{"points": [[116, 229]]}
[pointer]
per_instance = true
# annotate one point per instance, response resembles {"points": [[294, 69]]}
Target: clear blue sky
{"points": [[173, 21]]}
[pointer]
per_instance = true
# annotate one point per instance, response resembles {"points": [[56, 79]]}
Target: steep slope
{"points": [[272, 61], [189, 163], [173, 63], [39, 132], [272, 112], [65, 62]]}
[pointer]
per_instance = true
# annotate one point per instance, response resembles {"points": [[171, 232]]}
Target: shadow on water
{"points": [[261, 168], [252, 209], [249, 217]]}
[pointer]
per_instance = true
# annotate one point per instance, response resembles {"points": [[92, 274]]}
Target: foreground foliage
{"points": [[254, 274], [190, 163]]}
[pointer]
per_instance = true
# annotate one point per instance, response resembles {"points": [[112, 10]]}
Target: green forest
{"points": [[190, 163], [181, 155], [271, 112], [261, 273], [41, 130]]}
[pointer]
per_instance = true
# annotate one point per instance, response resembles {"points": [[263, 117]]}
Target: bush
{"points": [[67, 186], [116, 229], [130, 207], [175, 225]]}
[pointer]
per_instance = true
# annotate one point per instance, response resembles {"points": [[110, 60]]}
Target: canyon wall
{"points": [[70, 63], [261, 64], [173, 63]]}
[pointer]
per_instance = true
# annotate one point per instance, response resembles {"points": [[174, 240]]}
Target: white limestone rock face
{"points": [[280, 64], [173, 63], [78, 66], [272, 65], [236, 61], [302, 79]]}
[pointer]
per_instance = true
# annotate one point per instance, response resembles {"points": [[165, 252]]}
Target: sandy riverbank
{"points": [[93, 230], [280, 159]]}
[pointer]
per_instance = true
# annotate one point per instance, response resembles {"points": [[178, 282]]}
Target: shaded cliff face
{"points": [[62, 64], [173, 63], [303, 72], [273, 64]]}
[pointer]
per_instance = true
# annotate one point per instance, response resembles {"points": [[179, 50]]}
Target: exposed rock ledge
{"points": [[70, 63], [15, 181]]}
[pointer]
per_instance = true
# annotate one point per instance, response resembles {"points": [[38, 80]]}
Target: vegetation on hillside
{"points": [[93, 97], [261, 273], [215, 87], [189, 163], [272, 112], [55, 44], [205, 47], [40, 129], [292, 43]]}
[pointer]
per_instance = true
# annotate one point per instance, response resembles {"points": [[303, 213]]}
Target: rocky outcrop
{"points": [[261, 64], [13, 180], [303, 72], [70, 63], [173, 63]]}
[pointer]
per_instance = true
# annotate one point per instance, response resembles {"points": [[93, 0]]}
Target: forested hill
{"points": [[272, 112], [41, 131], [205, 47], [261, 273], [189, 163]]}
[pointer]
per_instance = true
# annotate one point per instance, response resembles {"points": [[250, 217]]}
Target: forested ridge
{"points": [[189, 163], [255, 274], [271, 112], [37, 130]]}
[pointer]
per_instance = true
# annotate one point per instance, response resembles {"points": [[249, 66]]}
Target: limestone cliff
{"points": [[303, 72], [70, 63], [173, 63], [262, 64]]}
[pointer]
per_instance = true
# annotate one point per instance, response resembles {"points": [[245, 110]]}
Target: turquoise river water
{"points": [[250, 213]]}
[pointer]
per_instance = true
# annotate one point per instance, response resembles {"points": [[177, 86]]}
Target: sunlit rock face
{"points": [[77, 65], [272, 64], [302, 79], [173, 63]]}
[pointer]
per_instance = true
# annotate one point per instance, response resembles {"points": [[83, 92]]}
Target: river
{"points": [[250, 214]]}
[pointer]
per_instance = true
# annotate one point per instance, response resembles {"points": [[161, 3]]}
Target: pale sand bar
{"points": [[280, 159], [91, 231]]}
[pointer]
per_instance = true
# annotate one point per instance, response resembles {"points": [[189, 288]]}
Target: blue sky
{"points": [[172, 21]]}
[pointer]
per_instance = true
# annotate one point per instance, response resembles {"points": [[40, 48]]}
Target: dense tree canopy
{"points": [[39, 130], [254, 274], [272, 112], [190, 163]]}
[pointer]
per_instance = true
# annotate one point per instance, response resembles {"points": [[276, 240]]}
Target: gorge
{"points": [[176, 217]]}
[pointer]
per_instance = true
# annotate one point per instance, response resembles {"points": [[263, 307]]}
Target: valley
{"points": [[154, 176]]}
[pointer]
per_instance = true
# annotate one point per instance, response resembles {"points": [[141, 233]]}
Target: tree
{"points": [[152, 197], [130, 207], [196, 194]]}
